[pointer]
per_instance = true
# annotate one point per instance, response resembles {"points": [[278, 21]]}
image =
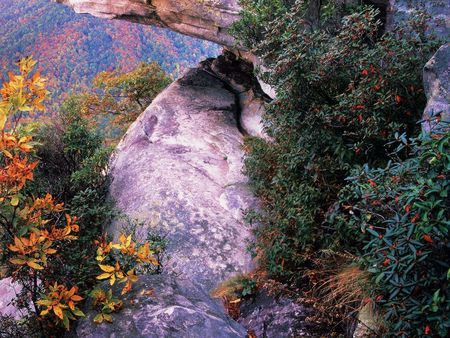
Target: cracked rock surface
{"points": [[164, 306], [178, 170]]}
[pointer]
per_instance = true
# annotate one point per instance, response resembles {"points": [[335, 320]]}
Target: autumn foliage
{"points": [[36, 231]]}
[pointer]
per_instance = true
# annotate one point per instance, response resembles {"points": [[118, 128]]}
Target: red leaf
{"points": [[427, 238]]}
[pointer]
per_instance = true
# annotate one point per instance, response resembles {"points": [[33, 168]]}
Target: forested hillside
{"points": [[41, 27]]}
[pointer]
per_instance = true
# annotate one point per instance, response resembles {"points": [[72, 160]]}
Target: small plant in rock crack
{"points": [[158, 242], [248, 287], [121, 262], [105, 303]]}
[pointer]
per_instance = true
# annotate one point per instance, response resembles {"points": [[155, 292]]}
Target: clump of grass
{"points": [[233, 291]]}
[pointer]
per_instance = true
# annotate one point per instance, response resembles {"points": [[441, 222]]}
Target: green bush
{"points": [[345, 91], [72, 166], [402, 215], [342, 94]]}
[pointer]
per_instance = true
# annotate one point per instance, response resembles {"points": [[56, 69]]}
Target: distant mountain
{"points": [[72, 48]]}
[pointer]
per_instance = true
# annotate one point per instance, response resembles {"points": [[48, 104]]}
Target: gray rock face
{"points": [[175, 308], [439, 10], [178, 170], [8, 292], [205, 19], [436, 77]]}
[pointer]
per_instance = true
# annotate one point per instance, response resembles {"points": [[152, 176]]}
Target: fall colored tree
{"points": [[121, 97], [34, 231]]}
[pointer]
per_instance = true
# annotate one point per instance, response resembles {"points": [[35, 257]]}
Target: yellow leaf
{"points": [[104, 276], [7, 153], [2, 120], [58, 311], [44, 302], [98, 318], [35, 266], [15, 201], [107, 268], [112, 280], [43, 312], [18, 261]]}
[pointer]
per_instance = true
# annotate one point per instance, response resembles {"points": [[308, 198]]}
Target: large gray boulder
{"points": [[436, 76], [205, 19], [178, 170], [164, 306]]}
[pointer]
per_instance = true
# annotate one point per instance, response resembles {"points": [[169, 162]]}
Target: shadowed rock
{"points": [[163, 306], [436, 76]]}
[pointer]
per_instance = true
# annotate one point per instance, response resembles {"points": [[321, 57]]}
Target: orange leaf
{"points": [[76, 298], [58, 312]]}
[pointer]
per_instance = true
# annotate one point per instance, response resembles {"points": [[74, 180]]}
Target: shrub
{"points": [[341, 96], [402, 215], [345, 89], [33, 230]]}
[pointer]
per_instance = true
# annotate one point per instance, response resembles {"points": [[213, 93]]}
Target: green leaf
{"points": [[66, 322], [379, 277], [98, 318], [78, 312]]}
